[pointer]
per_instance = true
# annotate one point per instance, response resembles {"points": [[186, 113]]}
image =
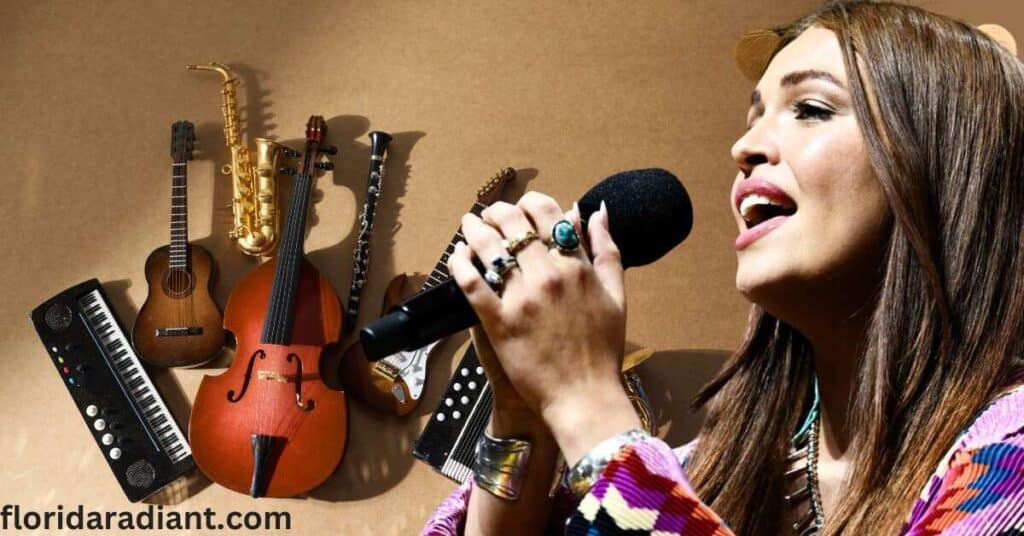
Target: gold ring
{"points": [[516, 245]]}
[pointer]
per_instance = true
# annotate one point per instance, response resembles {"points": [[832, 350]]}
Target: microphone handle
{"points": [[429, 315]]}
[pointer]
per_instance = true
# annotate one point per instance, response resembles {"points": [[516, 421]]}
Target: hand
{"points": [[558, 329]]}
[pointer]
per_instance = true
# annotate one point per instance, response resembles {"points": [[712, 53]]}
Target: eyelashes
{"points": [[805, 110], [802, 111]]}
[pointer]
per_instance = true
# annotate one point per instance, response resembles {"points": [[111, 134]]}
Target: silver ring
{"points": [[500, 265], [494, 280], [564, 236]]}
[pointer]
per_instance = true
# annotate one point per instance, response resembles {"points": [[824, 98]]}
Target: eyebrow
{"points": [[797, 77]]}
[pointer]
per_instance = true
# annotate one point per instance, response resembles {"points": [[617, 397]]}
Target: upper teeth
{"points": [[748, 203]]}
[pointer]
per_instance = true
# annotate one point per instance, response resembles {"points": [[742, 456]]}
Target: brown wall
{"points": [[566, 94]]}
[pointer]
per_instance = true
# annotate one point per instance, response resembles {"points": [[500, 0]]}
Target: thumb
{"points": [[607, 260]]}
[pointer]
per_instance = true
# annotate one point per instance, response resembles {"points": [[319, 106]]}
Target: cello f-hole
{"points": [[308, 404], [248, 376]]}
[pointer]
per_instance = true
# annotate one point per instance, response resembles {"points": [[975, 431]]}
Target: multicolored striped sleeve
{"points": [[644, 491], [648, 473], [978, 489]]}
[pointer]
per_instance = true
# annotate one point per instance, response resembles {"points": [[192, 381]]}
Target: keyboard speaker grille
{"points": [[58, 317], [140, 474]]}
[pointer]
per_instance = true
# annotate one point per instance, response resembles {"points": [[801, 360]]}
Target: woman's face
{"points": [[812, 218]]}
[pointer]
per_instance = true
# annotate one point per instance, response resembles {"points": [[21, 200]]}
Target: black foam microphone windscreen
{"points": [[649, 213]]}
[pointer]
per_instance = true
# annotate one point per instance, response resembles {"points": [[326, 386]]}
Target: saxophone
{"points": [[254, 200]]}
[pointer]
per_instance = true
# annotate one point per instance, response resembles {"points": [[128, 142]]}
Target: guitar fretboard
{"points": [[440, 272], [179, 215]]}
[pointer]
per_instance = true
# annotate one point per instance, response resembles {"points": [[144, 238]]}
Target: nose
{"points": [[758, 146]]}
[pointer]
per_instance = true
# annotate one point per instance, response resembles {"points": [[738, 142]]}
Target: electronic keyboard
{"points": [[123, 410]]}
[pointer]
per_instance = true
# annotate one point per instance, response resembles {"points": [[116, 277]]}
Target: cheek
{"points": [[846, 215]]}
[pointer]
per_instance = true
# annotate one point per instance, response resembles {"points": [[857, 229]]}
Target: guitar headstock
{"points": [[495, 186], [183, 140]]}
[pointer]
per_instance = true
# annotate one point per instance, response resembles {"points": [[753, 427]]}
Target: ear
{"points": [[1000, 35]]}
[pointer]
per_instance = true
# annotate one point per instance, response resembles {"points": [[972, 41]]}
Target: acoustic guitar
{"points": [[179, 324]]}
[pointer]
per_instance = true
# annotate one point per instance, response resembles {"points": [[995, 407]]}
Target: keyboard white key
{"points": [[134, 380]]}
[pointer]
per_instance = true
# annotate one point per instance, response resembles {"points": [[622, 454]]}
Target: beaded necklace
{"points": [[805, 446]]}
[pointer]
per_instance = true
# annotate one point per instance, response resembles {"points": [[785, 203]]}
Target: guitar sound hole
{"points": [[177, 283]]}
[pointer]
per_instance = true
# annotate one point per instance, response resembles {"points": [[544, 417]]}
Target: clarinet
{"points": [[379, 145]]}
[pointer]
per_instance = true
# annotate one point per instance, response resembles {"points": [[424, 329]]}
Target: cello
{"points": [[269, 426]]}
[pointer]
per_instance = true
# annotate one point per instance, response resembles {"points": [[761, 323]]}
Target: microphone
{"points": [[649, 213]]}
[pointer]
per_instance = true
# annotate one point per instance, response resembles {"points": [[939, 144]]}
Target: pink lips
{"points": [[766, 189]]}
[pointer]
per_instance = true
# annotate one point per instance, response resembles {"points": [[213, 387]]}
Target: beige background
{"points": [[566, 92]]}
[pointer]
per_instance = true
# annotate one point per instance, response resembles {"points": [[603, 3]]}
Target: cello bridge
{"points": [[272, 376]]}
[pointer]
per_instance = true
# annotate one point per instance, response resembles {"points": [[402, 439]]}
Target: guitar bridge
{"points": [[179, 332], [387, 369]]}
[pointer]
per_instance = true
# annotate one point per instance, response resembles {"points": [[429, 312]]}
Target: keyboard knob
{"points": [[91, 410], [115, 453]]}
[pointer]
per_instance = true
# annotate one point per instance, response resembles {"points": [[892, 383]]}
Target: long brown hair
{"points": [[941, 107]]}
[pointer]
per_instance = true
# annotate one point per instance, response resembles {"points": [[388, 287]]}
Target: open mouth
{"points": [[756, 208]]}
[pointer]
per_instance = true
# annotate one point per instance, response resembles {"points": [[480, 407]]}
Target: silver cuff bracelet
{"points": [[586, 471], [500, 465]]}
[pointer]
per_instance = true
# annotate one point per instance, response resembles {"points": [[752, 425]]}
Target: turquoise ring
{"points": [[564, 236]]}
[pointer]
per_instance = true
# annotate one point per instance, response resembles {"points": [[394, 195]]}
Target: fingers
{"points": [[543, 211], [513, 224], [607, 260], [484, 300], [485, 241]]}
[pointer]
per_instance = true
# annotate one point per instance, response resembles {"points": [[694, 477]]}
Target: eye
{"points": [[807, 110]]}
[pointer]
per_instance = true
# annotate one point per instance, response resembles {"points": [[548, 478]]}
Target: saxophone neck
{"points": [[217, 67]]}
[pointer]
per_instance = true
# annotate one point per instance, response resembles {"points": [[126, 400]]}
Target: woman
{"points": [[881, 214]]}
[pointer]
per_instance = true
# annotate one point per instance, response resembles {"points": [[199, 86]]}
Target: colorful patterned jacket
{"points": [[977, 489]]}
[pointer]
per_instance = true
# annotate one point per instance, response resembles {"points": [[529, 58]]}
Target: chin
{"points": [[767, 285]]}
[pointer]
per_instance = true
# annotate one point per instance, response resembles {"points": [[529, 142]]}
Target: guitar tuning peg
{"points": [[291, 153], [326, 166], [329, 149], [291, 172]]}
